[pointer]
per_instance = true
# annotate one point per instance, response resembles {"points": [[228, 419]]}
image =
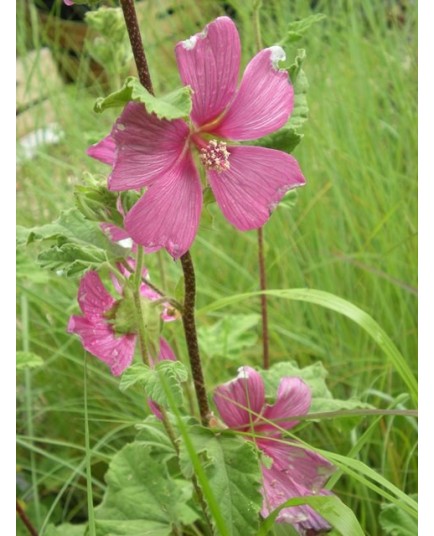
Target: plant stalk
{"points": [[189, 323], [26, 521], [133, 28]]}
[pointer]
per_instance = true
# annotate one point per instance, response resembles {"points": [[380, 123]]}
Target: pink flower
{"points": [[247, 181], [95, 330], [294, 471], [69, 2]]}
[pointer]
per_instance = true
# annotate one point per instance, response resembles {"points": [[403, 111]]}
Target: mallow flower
{"points": [[294, 471], [165, 157], [105, 327]]}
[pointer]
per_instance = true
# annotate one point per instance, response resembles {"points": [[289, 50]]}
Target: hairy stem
{"points": [[132, 24], [189, 322]]}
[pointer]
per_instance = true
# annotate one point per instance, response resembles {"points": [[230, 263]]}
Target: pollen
{"points": [[215, 156]]}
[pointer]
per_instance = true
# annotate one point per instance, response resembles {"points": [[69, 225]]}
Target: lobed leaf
{"points": [[232, 468], [142, 498], [174, 105]]}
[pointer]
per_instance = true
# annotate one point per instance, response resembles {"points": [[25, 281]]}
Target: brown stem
{"points": [[264, 312], [132, 24], [26, 520], [189, 323]]}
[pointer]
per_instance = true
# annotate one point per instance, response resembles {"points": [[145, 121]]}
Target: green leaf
{"points": [[28, 360], [173, 373], [79, 244], [396, 522], [232, 468], [141, 497], [229, 335], [66, 529], [134, 374], [299, 80], [298, 28], [314, 376], [174, 105], [288, 137], [96, 202], [329, 507], [341, 306]]}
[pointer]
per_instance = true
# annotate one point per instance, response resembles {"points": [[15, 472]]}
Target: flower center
{"points": [[215, 156]]}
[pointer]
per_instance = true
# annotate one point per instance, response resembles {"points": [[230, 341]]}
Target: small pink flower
{"points": [[97, 333], [69, 2], [247, 181], [294, 472]]}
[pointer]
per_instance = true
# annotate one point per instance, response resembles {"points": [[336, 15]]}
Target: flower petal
{"points": [[166, 352], [99, 339], [257, 180], [293, 398], [145, 147], [263, 102], [242, 399], [104, 150], [277, 489], [168, 214], [306, 468], [209, 62], [93, 298]]}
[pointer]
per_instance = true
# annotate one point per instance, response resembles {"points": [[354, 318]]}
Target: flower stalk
{"points": [[189, 323], [134, 34]]}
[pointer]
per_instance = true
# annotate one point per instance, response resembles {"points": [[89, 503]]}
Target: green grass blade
{"points": [[339, 305]]}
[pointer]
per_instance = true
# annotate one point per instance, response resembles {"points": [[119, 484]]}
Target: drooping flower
{"points": [[247, 181], [96, 329], [294, 471], [69, 2]]}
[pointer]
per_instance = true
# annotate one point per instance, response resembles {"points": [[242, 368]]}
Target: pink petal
{"points": [[304, 467], [155, 408], [69, 2], [277, 489], [255, 183], [114, 232], [93, 298], [264, 100], [100, 340], [293, 398], [104, 150], [242, 399], [209, 62], [166, 352], [168, 214], [145, 147]]}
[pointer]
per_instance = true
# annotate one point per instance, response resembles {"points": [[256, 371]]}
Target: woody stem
{"points": [[132, 25], [189, 322]]}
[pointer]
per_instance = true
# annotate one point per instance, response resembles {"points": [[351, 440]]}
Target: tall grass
{"points": [[352, 233]]}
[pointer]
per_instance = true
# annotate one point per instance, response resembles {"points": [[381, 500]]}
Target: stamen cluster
{"points": [[215, 156]]}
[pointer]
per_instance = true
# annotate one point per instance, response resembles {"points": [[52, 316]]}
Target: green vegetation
{"points": [[352, 232]]}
